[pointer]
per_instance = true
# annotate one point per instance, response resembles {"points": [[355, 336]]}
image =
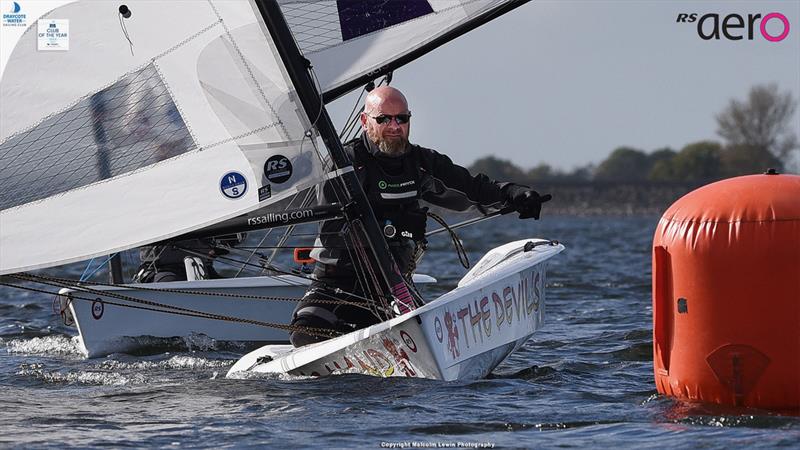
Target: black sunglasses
{"points": [[401, 119]]}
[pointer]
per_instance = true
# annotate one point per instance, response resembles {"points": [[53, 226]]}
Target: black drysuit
{"points": [[394, 186]]}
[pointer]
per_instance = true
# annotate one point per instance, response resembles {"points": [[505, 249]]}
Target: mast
{"points": [[297, 68]]}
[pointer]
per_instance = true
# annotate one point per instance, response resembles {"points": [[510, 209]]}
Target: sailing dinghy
{"points": [[216, 125], [244, 312], [462, 335]]}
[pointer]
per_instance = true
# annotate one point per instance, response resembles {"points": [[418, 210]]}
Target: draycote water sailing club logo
{"points": [[14, 17]]}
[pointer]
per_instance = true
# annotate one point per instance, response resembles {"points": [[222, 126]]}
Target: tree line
{"points": [[756, 135]]}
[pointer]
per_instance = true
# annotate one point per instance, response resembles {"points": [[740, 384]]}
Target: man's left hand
{"points": [[527, 202]]}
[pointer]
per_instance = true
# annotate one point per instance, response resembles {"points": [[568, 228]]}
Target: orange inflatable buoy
{"points": [[726, 294]]}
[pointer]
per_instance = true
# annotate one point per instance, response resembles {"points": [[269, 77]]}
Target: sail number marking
{"points": [[98, 308]]}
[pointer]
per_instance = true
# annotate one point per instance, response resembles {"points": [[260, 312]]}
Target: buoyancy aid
{"points": [[394, 197]]}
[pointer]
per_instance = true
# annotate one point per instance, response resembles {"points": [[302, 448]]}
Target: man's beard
{"points": [[394, 146]]}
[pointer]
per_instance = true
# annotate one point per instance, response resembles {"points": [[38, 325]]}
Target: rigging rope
{"points": [[361, 267], [371, 279], [463, 258], [67, 283], [351, 118], [366, 302], [86, 274], [350, 129], [301, 275], [154, 306]]}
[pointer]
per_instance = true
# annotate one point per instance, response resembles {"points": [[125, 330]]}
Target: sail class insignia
{"points": [[278, 169], [233, 185]]}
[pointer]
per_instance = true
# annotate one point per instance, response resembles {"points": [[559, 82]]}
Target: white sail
{"points": [[350, 42], [122, 141], [181, 115]]}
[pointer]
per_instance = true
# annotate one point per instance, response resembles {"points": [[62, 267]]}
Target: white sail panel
{"points": [[131, 124], [37, 84], [187, 118], [346, 39]]}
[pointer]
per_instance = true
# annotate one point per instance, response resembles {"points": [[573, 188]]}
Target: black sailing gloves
{"points": [[524, 200]]}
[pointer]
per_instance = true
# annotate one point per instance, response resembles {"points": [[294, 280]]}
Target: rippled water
{"points": [[584, 380]]}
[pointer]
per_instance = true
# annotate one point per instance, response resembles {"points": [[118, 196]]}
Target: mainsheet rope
{"points": [[299, 275], [463, 258]]}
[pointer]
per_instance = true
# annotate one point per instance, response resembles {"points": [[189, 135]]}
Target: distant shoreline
{"points": [[599, 198]]}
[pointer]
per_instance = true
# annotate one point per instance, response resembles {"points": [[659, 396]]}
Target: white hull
{"points": [[106, 327], [463, 334]]}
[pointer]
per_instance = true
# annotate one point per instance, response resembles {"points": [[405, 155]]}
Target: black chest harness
{"points": [[394, 197]]}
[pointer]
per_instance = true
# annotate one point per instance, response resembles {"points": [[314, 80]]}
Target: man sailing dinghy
{"points": [[246, 101], [410, 340], [396, 175]]}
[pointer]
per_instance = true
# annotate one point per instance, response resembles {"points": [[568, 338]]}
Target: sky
{"points": [[567, 82]]}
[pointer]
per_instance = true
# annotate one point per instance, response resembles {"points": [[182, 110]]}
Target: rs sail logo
{"points": [[14, 17]]}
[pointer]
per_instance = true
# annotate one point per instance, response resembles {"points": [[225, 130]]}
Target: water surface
{"points": [[585, 379]]}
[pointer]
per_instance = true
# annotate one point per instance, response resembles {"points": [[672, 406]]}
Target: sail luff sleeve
{"points": [[297, 68]]}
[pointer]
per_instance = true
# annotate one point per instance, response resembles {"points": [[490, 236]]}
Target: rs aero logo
{"points": [[773, 27]]}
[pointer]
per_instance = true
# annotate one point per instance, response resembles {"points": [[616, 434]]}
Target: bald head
{"points": [[385, 96], [390, 135]]}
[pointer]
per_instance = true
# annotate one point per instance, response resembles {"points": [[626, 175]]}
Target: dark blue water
{"points": [[584, 380]]}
